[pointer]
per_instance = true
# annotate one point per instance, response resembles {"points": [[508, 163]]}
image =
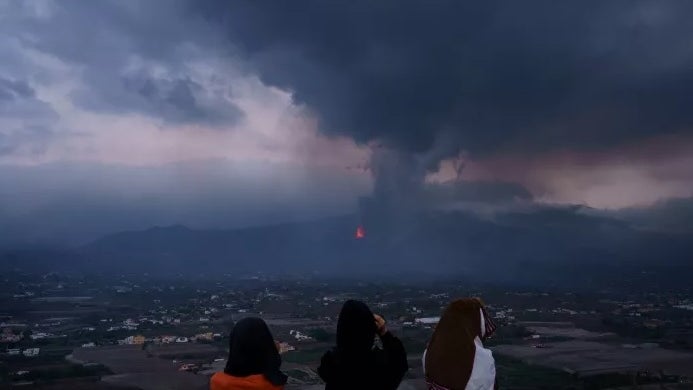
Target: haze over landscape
{"points": [[468, 132]]}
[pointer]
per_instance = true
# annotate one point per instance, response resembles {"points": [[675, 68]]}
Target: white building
{"points": [[130, 323], [300, 336], [427, 320], [31, 352]]}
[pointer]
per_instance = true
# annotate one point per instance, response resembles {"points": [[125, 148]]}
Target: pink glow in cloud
{"points": [[635, 174]]}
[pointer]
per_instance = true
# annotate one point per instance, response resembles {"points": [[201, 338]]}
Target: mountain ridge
{"points": [[530, 246], [438, 242]]}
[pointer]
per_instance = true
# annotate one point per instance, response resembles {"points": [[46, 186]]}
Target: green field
{"points": [[304, 356]]}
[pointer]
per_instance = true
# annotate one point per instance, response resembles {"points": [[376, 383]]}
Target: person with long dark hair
{"points": [[456, 358], [254, 360], [355, 363]]}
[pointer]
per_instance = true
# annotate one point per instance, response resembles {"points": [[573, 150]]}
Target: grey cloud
{"points": [[14, 89], [175, 100], [26, 125], [31, 140], [483, 76], [102, 40]]}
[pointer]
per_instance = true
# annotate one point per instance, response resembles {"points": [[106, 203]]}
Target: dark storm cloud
{"points": [[131, 56], [27, 119], [482, 75]]}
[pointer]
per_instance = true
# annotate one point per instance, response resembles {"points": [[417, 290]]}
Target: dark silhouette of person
{"points": [[253, 362], [354, 363]]}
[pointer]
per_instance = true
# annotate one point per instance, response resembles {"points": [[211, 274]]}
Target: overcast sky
{"points": [[126, 114]]}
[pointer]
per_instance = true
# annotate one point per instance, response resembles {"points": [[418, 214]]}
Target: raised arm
{"points": [[395, 355]]}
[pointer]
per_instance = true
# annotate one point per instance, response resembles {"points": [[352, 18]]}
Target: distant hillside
{"points": [[40, 258], [280, 248], [537, 244]]}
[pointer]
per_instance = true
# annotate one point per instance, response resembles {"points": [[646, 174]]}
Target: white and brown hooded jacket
{"points": [[456, 358]]}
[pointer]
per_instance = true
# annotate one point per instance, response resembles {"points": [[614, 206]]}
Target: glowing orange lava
{"points": [[360, 233]]}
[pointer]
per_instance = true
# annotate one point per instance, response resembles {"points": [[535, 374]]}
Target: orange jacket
{"points": [[224, 381]]}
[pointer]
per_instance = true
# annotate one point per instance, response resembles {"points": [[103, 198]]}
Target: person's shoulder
{"points": [[224, 381], [219, 380]]}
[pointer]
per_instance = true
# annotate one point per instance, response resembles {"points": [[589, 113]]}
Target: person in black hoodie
{"points": [[253, 362], [354, 363]]}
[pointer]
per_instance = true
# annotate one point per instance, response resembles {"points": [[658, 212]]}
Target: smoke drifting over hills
{"points": [[216, 114]]}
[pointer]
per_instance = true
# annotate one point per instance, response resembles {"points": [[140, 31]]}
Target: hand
{"points": [[380, 325]]}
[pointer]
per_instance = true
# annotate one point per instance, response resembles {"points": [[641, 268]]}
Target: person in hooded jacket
{"points": [[355, 363], [456, 358], [253, 362]]}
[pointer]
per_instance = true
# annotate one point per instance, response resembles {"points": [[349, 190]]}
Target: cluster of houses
{"points": [[424, 322], [28, 352], [8, 336], [140, 339], [131, 324]]}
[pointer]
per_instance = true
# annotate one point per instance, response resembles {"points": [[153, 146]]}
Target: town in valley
{"points": [[140, 331]]}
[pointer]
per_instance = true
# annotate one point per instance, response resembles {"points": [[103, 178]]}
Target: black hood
{"points": [[252, 351], [355, 328]]}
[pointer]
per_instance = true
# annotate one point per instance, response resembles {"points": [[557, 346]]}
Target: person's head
{"points": [[450, 353], [355, 328], [252, 350]]}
